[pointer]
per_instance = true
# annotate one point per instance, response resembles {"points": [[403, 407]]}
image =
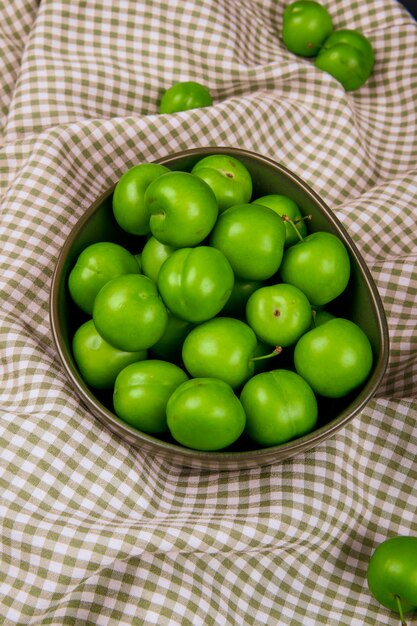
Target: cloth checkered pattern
{"points": [[92, 531]]}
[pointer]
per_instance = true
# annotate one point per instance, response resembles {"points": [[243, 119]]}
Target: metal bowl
{"points": [[360, 302]]}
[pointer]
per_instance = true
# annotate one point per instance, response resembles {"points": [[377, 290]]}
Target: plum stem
{"points": [[303, 218], [294, 223], [277, 350], [400, 610]]}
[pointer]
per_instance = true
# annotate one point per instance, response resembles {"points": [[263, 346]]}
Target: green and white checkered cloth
{"points": [[93, 531]]}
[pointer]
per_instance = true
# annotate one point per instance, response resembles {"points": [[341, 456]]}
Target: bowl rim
{"points": [[228, 459]]}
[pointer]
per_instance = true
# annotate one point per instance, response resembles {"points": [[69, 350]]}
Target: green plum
{"points": [[279, 406], [252, 238], [305, 26], [141, 394], [129, 208], [94, 267], [242, 290], [319, 266], [129, 313], [228, 177], [205, 414], [183, 96], [154, 253], [392, 574], [334, 358], [169, 346], [183, 209], [321, 316], [195, 283], [348, 56], [279, 314], [283, 205], [138, 257], [98, 362], [222, 347]]}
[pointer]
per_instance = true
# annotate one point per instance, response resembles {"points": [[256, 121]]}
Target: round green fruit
{"points": [[279, 407], [138, 257], [222, 347], [305, 26], [392, 574], [169, 346], [229, 179], [252, 238], [184, 96], [319, 266], [129, 207], [141, 394], [94, 267], [154, 253], [348, 56], [98, 362], [242, 290], [205, 414], [320, 316], [129, 314], [195, 283], [279, 314], [182, 207], [283, 205], [334, 358]]}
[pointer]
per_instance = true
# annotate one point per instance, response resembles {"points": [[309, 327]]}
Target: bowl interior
{"points": [[360, 302]]}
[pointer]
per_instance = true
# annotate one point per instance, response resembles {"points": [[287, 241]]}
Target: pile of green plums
{"points": [[187, 330], [346, 54]]}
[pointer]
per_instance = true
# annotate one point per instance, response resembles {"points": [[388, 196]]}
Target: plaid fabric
{"points": [[93, 531]]}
